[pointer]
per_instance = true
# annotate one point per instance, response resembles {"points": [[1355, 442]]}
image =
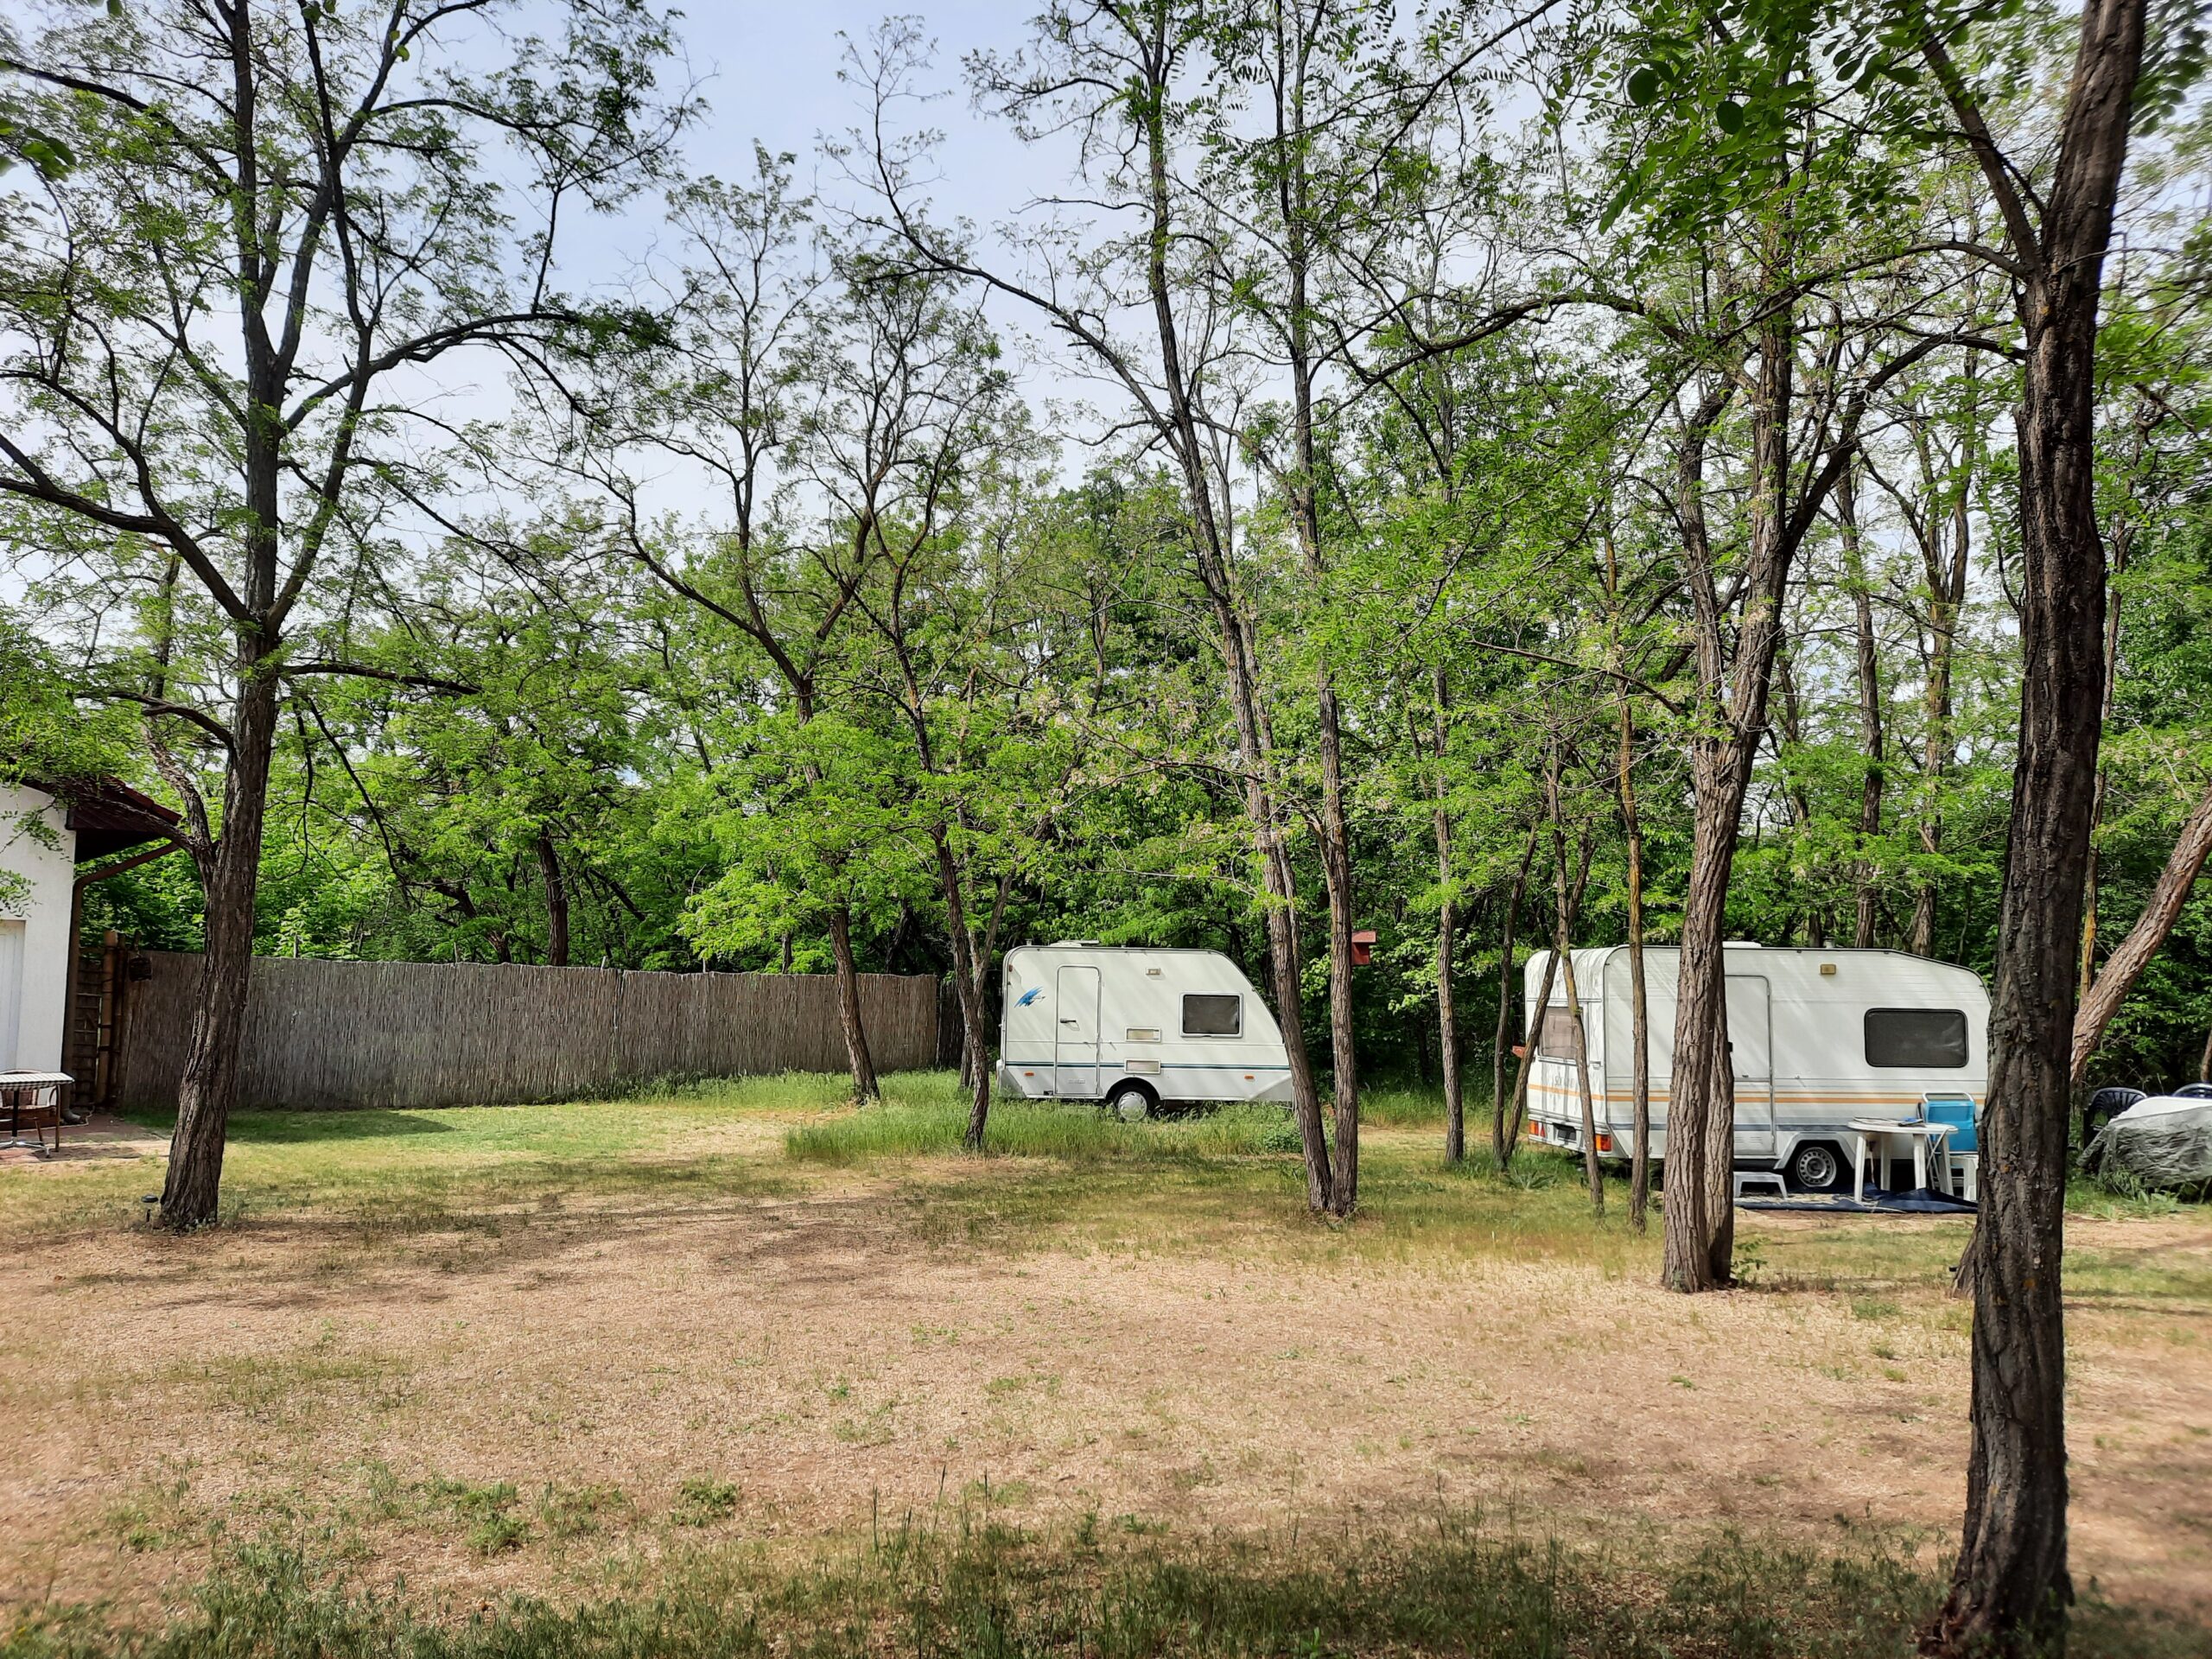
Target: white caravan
{"points": [[1817, 1036], [1136, 1027]]}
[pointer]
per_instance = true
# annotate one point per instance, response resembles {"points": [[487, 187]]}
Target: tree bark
{"points": [[1699, 1206], [1563, 950], [865, 1086], [230, 874], [1447, 1019], [1180, 428], [1294, 186], [1639, 1185], [1501, 1148], [2088, 972], [2011, 1587], [1869, 676], [971, 999], [1508, 1135], [2118, 977], [1947, 588], [557, 903]]}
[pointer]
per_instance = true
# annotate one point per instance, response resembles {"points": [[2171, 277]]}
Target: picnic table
{"points": [[1929, 1140], [32, 1100]]}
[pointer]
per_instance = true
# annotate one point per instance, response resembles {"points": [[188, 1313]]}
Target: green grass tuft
{"points": [[971, 1590], [1076, 1132]]}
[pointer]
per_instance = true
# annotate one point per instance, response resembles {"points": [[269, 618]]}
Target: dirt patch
{"points": [[551, 1396]]}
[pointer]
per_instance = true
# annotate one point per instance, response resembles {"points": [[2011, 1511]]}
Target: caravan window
{"points": [[1927, 1039], [1555, 1033], [1213, 1016]]}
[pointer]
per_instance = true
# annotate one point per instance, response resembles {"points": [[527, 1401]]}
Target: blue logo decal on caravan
{"points": [[1030, 995]]}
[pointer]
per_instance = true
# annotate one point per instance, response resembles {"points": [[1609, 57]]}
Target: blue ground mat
{"points": [[1876, 1203]]}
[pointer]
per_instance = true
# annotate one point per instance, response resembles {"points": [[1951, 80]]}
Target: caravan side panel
{"points": [[1187, 1024], [1823, 1067]]}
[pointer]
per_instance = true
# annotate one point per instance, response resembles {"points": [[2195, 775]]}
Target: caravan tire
{"points": [[1131, 1102], [1816, 1166]]}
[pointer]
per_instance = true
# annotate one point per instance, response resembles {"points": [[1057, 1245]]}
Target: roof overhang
{"points": [[109, 816]]}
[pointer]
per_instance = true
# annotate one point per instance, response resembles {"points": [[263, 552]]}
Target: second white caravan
{"points": [[1136, 1029], [1817, 1037]]}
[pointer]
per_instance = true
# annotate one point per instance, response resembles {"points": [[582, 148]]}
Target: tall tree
{"points": [[2011, 1586], [256, 226], [1120, 74]]}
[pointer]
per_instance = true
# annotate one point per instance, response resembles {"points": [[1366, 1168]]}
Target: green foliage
{"points": [[692, 728]]}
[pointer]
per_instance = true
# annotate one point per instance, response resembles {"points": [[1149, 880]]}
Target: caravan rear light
{"points": [[1535, 1130], [1604, 1142]]}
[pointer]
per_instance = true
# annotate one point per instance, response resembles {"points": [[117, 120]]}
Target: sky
{"points": [[770, 72]]}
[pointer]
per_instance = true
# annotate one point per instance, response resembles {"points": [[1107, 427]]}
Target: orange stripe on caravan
{"points": [[1795, 1097]]}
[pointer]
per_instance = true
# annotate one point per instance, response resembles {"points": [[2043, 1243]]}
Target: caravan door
{"points": [[1750, 1053], [1074, 1058]]}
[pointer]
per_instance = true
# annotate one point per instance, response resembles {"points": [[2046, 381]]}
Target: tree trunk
{"points": [[557, 903], [1336, 868], [1869, 676], [1700, 1208], [230, 873], [2011, 1587], [1639, 1184], [1500, 1148], [1447, 1019], [2122, 967], [1947, 599], [971, 999], [865, 1087], [2089, 971], [1700, 1200], [1563, 949], [1293, 185], [1509, 1135]]}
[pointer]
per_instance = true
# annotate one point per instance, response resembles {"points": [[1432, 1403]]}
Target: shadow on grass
{"points": [[309, 1128], [987, 1591]]}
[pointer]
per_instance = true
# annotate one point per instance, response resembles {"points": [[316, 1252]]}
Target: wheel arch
{"points": [[1130, 1080]]}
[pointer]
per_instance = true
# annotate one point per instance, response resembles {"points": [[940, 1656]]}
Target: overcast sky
{"points": [[771, 73]]}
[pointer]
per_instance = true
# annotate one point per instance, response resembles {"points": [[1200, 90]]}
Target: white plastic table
{"points": [[1930, 1140]]}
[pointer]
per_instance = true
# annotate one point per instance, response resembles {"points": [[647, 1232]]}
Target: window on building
{"points": [[1925, 1039], [1213, 1016]]}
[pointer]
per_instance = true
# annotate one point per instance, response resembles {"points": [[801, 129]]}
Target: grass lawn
{"points": [[737, 1368]]}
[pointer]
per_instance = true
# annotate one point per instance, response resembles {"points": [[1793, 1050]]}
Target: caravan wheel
{"points": [[1816, 1166], [1131, 1102]]}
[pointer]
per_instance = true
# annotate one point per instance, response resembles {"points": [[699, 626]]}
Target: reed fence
{"points": [[339, 1034]]}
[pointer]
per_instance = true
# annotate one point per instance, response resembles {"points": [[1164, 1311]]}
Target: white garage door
{"points": [[11, 990]]}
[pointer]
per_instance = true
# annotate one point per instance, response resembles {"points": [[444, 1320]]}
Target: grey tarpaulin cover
{"points": [[2162, 1142]]}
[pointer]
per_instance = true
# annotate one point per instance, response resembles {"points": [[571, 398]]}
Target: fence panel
{"points": [[338, 1035]]}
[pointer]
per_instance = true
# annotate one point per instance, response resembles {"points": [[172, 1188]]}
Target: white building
{"points": [[42, 840]]}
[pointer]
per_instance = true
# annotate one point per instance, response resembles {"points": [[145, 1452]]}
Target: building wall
{"points": [[36, 843]]}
